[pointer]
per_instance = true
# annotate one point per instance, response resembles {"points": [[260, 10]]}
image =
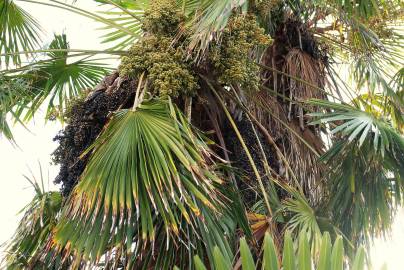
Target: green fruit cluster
{"points": [[231, 57], [164, 63], [162, 17]]}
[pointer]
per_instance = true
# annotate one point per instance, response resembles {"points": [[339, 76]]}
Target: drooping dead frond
{"points": [[300, 64]]}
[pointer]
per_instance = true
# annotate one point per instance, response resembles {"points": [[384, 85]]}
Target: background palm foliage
{"points": [[40, 218], [226, 139]]}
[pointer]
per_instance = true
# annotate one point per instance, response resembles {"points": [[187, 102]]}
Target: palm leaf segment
{"points": [[11, 91], [361, 126], [145, 163], [127, 15], [58, 80]]}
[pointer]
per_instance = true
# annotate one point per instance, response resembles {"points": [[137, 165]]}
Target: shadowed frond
{"points": [[11, 91]]}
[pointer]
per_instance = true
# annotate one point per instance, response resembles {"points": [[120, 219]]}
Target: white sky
{"points": [[36, 145]]}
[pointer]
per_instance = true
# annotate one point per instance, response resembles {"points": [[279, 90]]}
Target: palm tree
{"points": [[226, 126]]}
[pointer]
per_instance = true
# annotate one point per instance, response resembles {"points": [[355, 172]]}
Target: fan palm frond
{"points": [[146, 164], [19, 31], [54, 80], [366, 173], [303, 218], [388, 107], [359, 126]]}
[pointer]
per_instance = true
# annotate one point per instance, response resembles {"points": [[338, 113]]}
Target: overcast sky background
{"points": [[36, 145]]}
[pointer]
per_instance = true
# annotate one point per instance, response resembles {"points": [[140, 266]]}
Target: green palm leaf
{"points": [[12, 89], [19, 31], [127, 14], [358, 125], [365, 171], [303, 218], [146, 164], [53, 81], [57, 80], [302, 255]]}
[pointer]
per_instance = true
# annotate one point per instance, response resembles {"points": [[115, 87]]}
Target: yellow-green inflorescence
{"points": [[164, 62], [264, 8], [162, 17], [168, 73], [231, 57]]}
